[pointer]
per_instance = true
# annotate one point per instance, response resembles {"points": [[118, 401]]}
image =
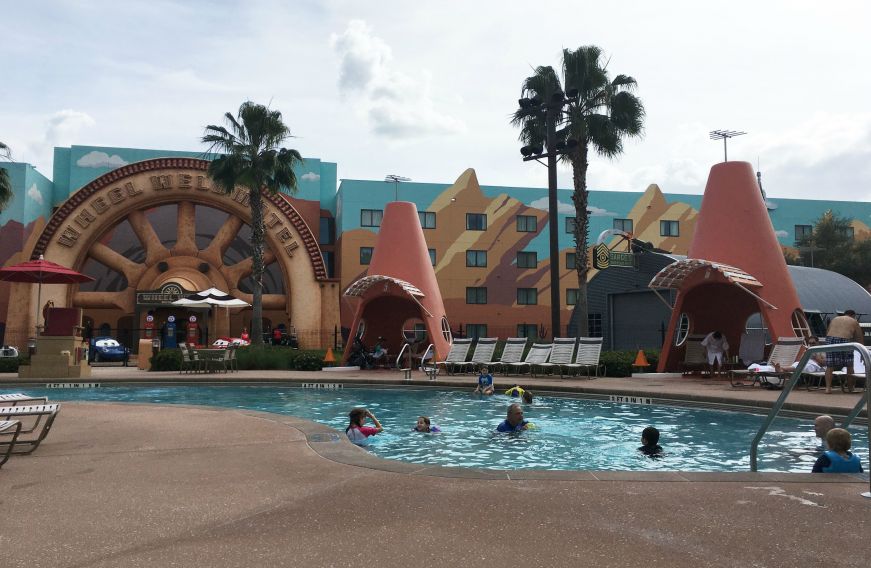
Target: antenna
{"points": [[724, 135], [395, 179]]}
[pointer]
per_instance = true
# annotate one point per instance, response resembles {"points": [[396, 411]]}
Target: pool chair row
{"points": [[566, 355], [24, 423]]}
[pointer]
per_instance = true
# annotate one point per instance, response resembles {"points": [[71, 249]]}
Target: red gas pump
{"points": [[193, 330], [149, 326]]}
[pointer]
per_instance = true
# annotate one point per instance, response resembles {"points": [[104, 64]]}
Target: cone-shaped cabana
{"points": [[400, 288], [735, 268]]}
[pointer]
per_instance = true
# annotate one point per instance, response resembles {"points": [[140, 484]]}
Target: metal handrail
{"points": [[434, 370], [793, 380], [399, 358]]}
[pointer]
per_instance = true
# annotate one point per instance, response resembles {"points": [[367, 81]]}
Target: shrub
{"points": [[166, 360], [11, 364], [262, 358], [619, 363]]}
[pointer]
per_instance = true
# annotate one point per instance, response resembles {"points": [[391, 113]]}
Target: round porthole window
{"points": [[683, 330], [446, 330]]}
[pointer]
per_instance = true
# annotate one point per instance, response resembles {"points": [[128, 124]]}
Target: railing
{"points": [[796, 376], [432, 371]]}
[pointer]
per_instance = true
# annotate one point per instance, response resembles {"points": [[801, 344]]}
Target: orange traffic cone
{"points": [[329, 358], [640, 359]]}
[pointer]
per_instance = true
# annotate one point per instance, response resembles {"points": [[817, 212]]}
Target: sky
{"points": [[426, 89]]}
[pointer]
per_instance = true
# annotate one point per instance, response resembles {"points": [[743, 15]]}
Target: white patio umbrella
{"points": [[209, 298]]}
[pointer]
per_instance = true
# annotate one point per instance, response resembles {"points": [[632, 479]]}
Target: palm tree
{"points": [[604, 112], [5, 182], [251, 156]]}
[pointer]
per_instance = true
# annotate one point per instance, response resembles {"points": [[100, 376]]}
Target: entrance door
{"points": [[638, 320]]}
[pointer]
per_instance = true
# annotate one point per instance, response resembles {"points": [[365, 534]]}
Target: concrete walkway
{"points": [[147, 485]]}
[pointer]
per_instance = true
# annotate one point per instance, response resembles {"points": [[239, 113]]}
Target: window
{"points": [[527, 259], [446, 330], [527, 296], [476, 330], [803, 232], [683, 330], [570, 225], [570, 260], [669, 229], [527, 224], [432, 256], [800, 326], [371, 217], [571, 296], [327, 233], [427, 219], [476, 258], [624, 225], [330, 263], [476, 222], [594, 325], [476, 295], [528, 330], [365, 255]]}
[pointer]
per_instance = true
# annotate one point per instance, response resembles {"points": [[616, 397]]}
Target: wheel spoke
{"points": [[186, 230], [154, 249], [132, 271], [222, 241], [242, 269]]}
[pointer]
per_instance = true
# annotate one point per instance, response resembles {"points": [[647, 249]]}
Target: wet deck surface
{"points": [[147, 485]]}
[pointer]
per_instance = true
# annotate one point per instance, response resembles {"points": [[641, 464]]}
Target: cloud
{"points": [[561, 206], [599, 212], [311, 176], [396, 104], [95, 159], [34, 194], [64, 126], [781, 234]]}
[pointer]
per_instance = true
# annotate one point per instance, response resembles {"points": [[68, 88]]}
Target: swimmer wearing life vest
{"points": [[519, 392]]}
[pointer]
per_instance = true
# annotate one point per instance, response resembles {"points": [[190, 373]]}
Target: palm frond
{"points": [[627, 113]]}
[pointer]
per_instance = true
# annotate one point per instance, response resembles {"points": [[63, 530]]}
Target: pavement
{"points": [[150, 485]]}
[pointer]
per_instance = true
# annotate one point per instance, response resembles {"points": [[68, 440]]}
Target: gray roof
{"points": [[829, 292]]}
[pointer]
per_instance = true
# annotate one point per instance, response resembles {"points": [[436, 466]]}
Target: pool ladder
{"points": [[432, 372], [864, 401]]}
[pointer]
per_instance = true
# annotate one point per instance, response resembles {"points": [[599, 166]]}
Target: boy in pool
{"points": [[485, 382], [650, 443], [424, 425], [838, 458]]}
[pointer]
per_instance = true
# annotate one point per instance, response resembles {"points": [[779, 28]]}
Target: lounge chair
{"points": [[483, 355], [190, 362], [694, 355], [538, 354], [9, 428], [456, 356], [782, 356], [17, 399], [561, 355], [587, 357], [26, 445], [512, 352]]}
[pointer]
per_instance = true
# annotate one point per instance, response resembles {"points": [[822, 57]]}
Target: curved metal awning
{"points": [[674, 275], [360, 287]]}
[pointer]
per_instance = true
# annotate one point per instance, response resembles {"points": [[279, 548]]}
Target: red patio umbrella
{"points": [[41, 272]]}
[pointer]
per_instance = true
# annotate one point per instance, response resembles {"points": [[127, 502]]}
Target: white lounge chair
{"points": [[483, 355], [512, 352], [587, 357], [457, 355], [538, 354], [782, 356], [561, 355], [694, 355], [8, 428], [19, 398], [26, 445]]}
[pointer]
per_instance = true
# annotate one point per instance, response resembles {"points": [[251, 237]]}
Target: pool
{"points": [[570, 433]]}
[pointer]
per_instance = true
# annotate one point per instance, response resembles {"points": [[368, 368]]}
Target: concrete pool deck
{"points": [[149, 485]]}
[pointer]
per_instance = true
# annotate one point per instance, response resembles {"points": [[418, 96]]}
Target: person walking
{"points": [[842, 329]]}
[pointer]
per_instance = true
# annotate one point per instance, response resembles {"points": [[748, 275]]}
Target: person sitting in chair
{"points": [[717, 348], [379, 353]]}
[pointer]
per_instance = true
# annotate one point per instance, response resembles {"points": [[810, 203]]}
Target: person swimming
{"points": [[650, 443], [424, 425], [518, 391]]}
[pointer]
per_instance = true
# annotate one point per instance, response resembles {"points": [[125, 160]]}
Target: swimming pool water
{"points": [[570, 433]]}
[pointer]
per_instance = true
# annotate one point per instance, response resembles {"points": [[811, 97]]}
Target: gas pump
{"points": [[149, 326], [193, 334], [170, 342]]}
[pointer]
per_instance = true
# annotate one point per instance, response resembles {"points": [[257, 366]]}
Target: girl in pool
{"points": [[424, 425], [358, 433]]}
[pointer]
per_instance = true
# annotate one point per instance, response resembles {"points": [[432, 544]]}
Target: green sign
{"points": [[606, 258]]}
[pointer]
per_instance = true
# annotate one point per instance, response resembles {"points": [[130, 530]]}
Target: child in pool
{"points": [[838, 458], [424, 425], [485, 382], [518, 391], [650, 443], [356, 432]]}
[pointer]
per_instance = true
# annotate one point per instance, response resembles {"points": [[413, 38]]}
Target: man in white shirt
{"points": [[717, 348]]}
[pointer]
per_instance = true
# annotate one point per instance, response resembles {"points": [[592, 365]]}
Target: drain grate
{"points": [[324, 437]]}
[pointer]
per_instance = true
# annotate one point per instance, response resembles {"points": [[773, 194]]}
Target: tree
{"points": [[251, 156], [5, 183], [604, 113], [832, 246]]}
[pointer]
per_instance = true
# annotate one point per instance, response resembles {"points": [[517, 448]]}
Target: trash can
{"points": [[31, 346]]}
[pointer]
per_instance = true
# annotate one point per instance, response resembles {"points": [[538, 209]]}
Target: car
{"points": [[107, 349], [224, 342], [8, 351]]}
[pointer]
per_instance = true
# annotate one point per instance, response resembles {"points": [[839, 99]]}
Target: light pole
{"points": [[552, 112], [396, 179]]}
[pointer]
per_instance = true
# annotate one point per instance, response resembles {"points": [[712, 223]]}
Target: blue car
{"points": [[107, 349]]}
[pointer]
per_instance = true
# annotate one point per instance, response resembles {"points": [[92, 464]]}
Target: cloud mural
{"points": [[781, 234], [34, 194], [311, 176], [599, 212], [97, 159], [561, 207]]}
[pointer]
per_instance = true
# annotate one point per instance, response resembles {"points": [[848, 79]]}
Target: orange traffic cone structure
{"points": [[329, 358], [640, 359]]}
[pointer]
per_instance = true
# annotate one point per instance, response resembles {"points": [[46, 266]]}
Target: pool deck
{"points": [[148, 485]]}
